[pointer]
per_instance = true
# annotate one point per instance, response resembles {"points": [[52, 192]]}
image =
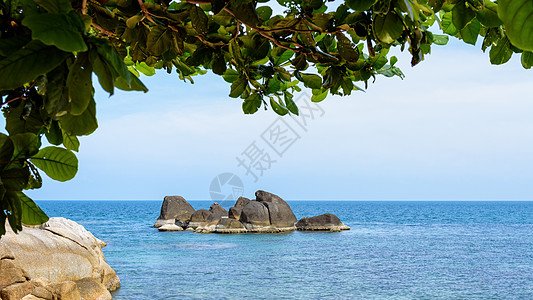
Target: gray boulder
{"points": [[280, 213], [263, 196], [199, 217], [234, 213], [174, 210], [281, 216], [241, 202], [256, 214], [218, 210], [324, 222]]}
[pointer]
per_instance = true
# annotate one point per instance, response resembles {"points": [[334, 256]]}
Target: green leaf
{"points": [[12, 44], [199, 20], [61, 30], [440, 39], [132, 21], [346, 48], [245, 12], [319, 96], [25, 145], [15, 207], [15, 179], [54, 135], [447, 24], [31, 213], [501, 52], [462, 15], [159, 40], [58, 163], [278, 108], [291, 106], [517, 17], [488, 14], [105, 76], [238, 87], [57, 91], [83, 124], [527, 59], [110, 56], [35, 59], [135, 84], [6, 150], [55, 6], [231, 75], [251, 104], [80, 85], [144, 68], [471, 32], [311, 80], [71, 142], [219, 64], [360, 5], [388, 28], [264, 12]]}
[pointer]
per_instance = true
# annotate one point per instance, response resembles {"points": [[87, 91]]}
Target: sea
{"points": [[394, 250]]}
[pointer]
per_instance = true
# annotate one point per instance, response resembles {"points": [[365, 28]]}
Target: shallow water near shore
{"points": [[395, 250]]}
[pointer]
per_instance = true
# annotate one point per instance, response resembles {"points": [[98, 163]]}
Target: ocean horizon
{"points": [[394, 250]]}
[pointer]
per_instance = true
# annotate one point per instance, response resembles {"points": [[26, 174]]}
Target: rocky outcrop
{"points": [[174, 210], [58, 260], [325, 222], [268, 213]]}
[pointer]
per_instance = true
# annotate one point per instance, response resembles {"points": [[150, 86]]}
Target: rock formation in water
{"points": [[268, 213], [57, 260], [324, 222], [174, 210]]}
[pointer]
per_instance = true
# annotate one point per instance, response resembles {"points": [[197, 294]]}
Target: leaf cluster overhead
{"points": [[51, 50]]}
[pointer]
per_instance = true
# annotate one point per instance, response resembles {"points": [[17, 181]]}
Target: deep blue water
{"points": [[395, 250]]}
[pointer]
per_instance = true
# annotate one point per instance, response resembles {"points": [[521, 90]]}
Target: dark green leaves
{"points": [[245, 12], [501, 52], [462, 15], [80, 85], [252, 104], [35, 59], [517, 17], [238, 87], [199, 20], [471, 32], [31, 213], [488, 14], [388, 28], [55, 6], [346, 48], [58, 163], [61, 30]]}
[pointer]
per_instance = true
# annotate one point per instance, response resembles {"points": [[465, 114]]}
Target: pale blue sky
{"points": [[456, 128]]}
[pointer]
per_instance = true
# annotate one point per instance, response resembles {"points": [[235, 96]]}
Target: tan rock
{"points": [[16, 291], [59, 250], [42, 293], [91, 289], [66, 290], [11, 273]]}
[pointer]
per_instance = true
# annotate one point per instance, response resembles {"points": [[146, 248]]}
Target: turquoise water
{"points": [[395, 250]]}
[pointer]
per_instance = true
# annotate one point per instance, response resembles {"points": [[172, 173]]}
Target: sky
{"points": [[456, 128]]}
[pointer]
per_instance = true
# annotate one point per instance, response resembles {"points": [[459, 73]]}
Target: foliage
{"points": [[49, 50]]}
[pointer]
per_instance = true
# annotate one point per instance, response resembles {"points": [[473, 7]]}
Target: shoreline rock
{"points": [[57, 260]]}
